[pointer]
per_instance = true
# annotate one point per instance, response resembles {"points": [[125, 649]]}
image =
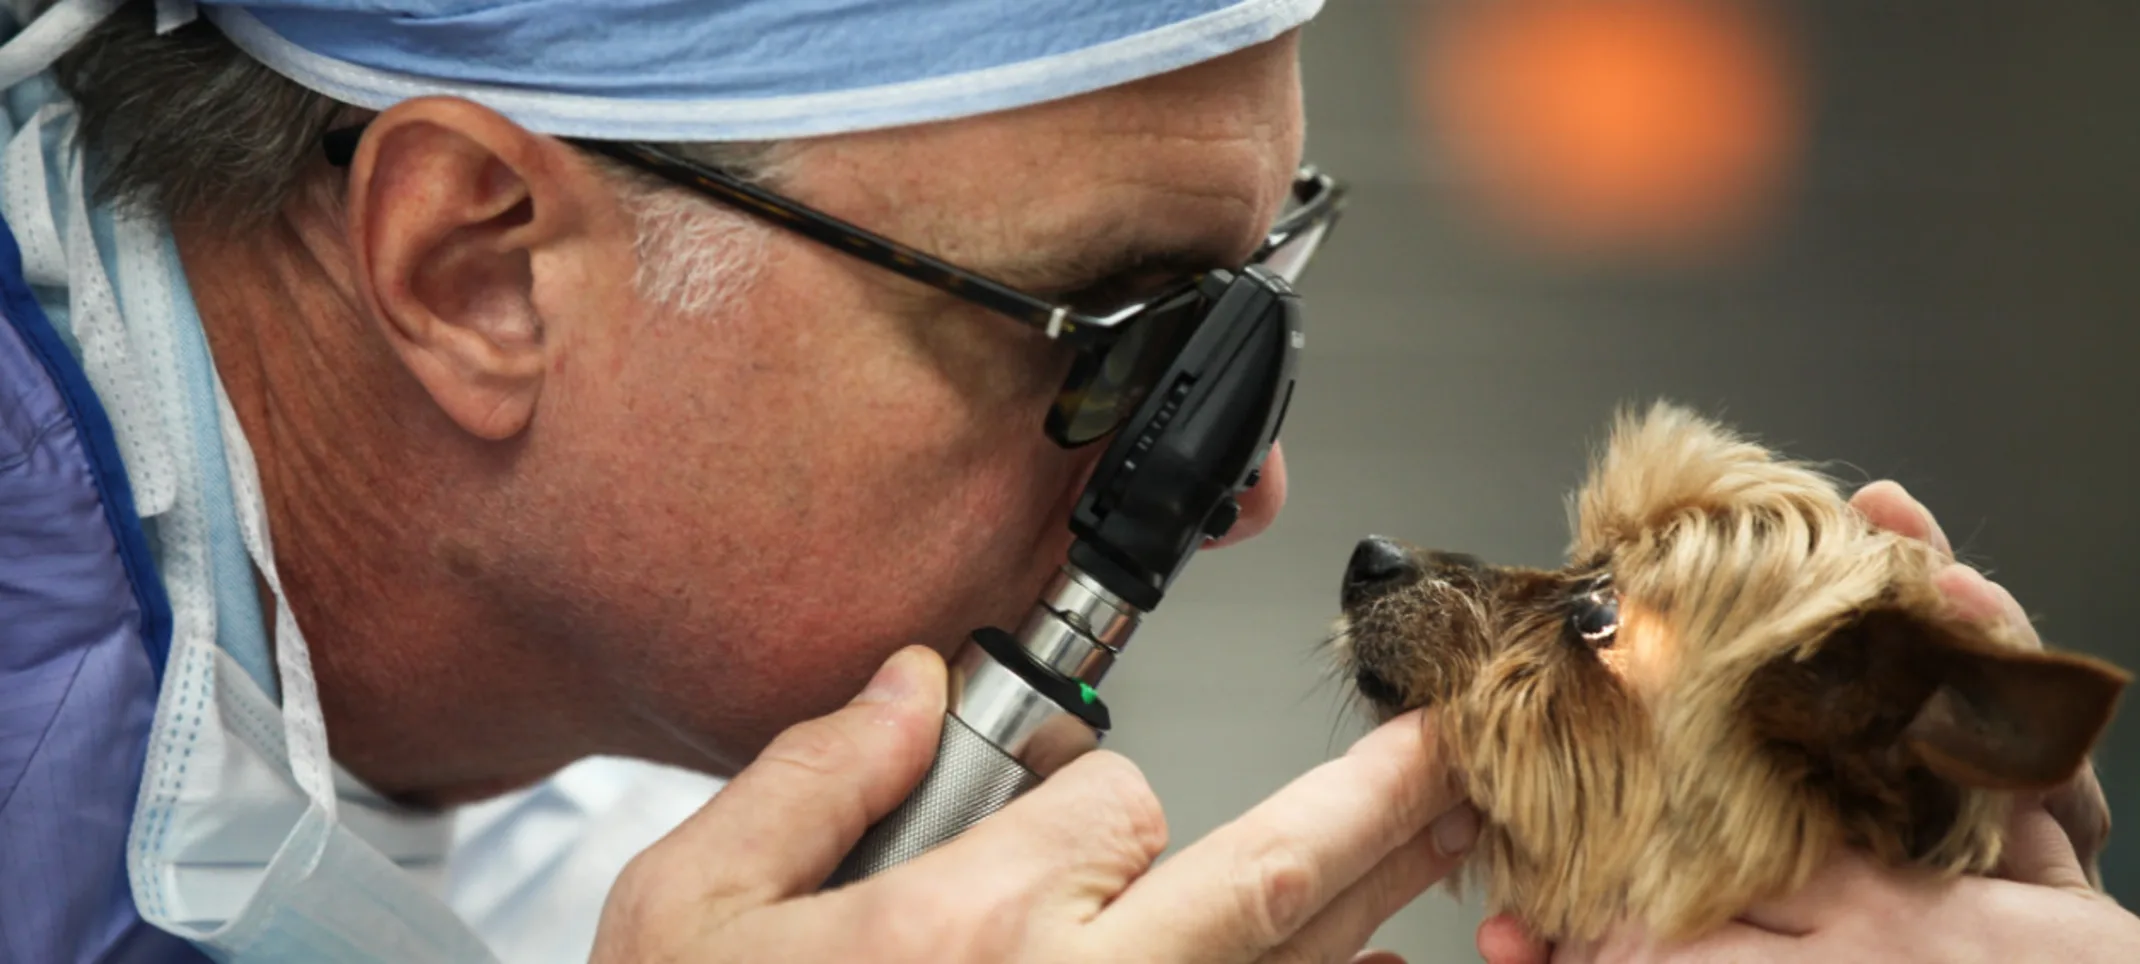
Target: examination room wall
{"points": [[1907, 241]]}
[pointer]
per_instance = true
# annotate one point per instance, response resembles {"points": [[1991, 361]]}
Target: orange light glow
{"points": [[1590, 124]]}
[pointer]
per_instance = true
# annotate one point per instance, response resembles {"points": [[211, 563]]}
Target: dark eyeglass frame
{"points": [[1317, 198]]}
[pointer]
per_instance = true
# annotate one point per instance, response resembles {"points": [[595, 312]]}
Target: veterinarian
{"points": [[348, 483], [344, 485]]}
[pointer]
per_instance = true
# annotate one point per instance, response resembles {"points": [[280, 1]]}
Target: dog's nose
{"points": [[1377, 562]]}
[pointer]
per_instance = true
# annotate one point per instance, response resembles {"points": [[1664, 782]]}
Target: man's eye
{"points": [[1595, 616]]}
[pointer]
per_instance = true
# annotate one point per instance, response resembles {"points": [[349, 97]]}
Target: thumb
{"points": [[2080, 808], [780, 827], [2038, 851], [1503, 940]]}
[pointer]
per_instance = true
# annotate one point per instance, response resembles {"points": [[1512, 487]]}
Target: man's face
{"points": [[742, 514]]}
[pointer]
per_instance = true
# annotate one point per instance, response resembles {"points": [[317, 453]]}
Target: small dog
{"points": [[1734, 674]]}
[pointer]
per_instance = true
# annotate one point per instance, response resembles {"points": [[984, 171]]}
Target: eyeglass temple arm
{"points": [[340, 146], [859, 242]]}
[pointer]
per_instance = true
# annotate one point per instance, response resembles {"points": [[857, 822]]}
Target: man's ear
{"points": [[1940, 693], [448, 205]]}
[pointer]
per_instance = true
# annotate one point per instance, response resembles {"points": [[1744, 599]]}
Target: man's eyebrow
{"points": [[1101, 269]]}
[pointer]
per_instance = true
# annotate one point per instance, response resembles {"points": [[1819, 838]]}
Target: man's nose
{"points": [[1259, 505]]}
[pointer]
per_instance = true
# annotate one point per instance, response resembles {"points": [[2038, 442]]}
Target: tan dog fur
{"points": [[1784, 679]]}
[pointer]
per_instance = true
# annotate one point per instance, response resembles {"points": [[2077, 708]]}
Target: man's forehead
{"points": [[1189, 167]]}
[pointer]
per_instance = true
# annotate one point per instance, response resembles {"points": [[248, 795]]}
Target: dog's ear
{"points": [[1943, 693], [2007, 719]]}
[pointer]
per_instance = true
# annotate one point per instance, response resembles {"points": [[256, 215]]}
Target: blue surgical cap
{"points": [[723, 70]]}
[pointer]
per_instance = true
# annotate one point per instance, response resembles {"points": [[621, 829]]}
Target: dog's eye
{"points": [[1596, 616]]}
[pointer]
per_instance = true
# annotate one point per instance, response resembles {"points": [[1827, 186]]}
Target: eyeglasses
{"points": [[1121, 352]]}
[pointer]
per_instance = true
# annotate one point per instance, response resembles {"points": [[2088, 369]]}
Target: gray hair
{"points": [[186, 125]]}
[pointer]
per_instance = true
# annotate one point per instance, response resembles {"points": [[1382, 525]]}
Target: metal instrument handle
{"points": [[969, 779]]}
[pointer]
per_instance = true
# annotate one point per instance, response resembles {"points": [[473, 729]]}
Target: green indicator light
{"points": [[1085, 690]]}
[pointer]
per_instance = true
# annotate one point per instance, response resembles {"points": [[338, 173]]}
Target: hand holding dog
{"points": [[1065, 873], [2040, 907], [1854, 910]]}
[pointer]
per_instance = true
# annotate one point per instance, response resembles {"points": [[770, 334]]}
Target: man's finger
{"points": [[1848, 880], [1402, 876], [1979, 599], [2081, 809], [1247, 887], [1087, 831], [1502, 940], [781, 826], [1733, 943], [1889, 506], [2038, 851]]}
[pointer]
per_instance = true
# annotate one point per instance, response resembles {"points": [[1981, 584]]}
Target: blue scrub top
{"points": [[84, 626]]}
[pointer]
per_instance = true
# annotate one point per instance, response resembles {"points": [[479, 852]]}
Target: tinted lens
{"points": [[1108, 383]]}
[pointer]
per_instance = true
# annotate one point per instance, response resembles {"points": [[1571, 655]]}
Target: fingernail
{"points": [[894, 682], [1454, 832]]}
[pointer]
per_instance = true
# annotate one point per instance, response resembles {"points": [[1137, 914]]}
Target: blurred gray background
{"points": [[1943, 292]]}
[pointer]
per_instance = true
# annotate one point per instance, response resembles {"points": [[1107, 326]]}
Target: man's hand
{"points": [[1854, 910], [1065, 873], [2040, 906]]}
